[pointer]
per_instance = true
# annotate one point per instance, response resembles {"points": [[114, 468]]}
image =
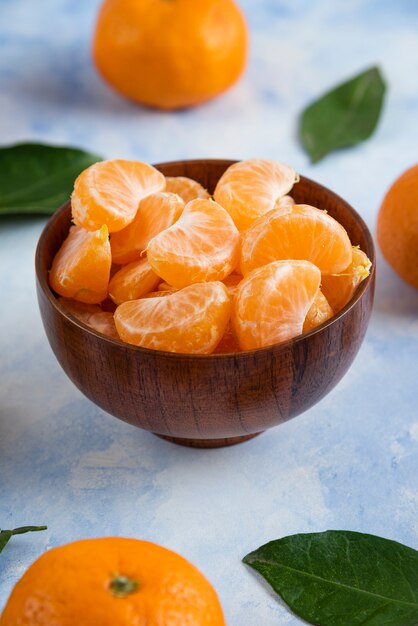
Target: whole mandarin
{"points": [[112, 581], [170, 54], [397, 226]]}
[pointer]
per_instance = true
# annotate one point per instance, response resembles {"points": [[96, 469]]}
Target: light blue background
{"points": [[351, 462]]}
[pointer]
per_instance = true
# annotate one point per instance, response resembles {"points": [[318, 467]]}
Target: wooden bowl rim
{"points": [[364, 285]]}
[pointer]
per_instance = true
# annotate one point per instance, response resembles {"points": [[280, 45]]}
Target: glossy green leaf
{"points": [[344, 116], [36, 178], [342, 578], [5, 535]]}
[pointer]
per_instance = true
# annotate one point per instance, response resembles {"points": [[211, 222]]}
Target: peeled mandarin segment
{"points": [[250, 188], [81, 267], [80, 310], [133, 281], [156, 212], [228, 343], [319, 313], [191, 321], [297, 232], [271, 303], [158, 294], [104, 323], [340, 288], [232, 281], [108, 305], [203, 245], [109, 192], [91, 315], [187, 188], [166, 287], [285, 201]]}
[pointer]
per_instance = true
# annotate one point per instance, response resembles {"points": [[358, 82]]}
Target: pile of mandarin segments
{"points": [[157, 262]]}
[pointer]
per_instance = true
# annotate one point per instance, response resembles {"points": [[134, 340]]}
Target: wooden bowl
{"points": [[208, 400]]}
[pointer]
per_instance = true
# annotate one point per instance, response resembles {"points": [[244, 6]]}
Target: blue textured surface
{"points": [[351, 462]]}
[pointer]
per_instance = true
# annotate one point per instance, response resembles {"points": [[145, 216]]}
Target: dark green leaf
{"points": [[344, 116], [36, 178], [6, 534], [342, 578]]}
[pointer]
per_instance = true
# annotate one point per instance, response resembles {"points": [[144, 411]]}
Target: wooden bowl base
{"points": [[208, 443]]}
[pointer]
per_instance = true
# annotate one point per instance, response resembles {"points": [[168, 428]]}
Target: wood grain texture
{"points": [[208, 400]]}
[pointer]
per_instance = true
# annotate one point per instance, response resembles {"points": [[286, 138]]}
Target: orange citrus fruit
{"points": [[170, 54], [156, 213], [165, 287], [81, 267], [109, 192], [133, 281], [272, 302], [250, 188], [104, 323], [91, 315], [229, 342], [232, 281], [340, 288], [178, 275], [81, 310], [319, 313], [187, 188], [158, 294], [397, 226], [285, 201], [112, 582], [203, 245], [296, 232], [191, 320]]}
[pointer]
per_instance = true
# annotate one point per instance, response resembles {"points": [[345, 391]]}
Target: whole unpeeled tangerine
{"points": [[112, 582], [170, 54], [397, 226]]}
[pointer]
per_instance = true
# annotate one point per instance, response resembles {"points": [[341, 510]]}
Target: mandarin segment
{"points": [[187, 188], [158, 294], [203, 245], [232, 281], [228, 343], [80, 310], [133, 281], [81, 267], [296, 232], [272, 302], [109, 192], [156, 212], [340, 288], [165, 287], [103, 322], [285, 201], [319, 313], [91, 315], [251, 188], [190, 321], [112, 581]]}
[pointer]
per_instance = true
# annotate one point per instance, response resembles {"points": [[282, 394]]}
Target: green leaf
{"points": [[344, 116], [342, 578], [5, 535], [36, 178]]}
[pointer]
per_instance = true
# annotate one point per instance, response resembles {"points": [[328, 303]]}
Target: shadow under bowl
{"points": [[208, 400]]}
